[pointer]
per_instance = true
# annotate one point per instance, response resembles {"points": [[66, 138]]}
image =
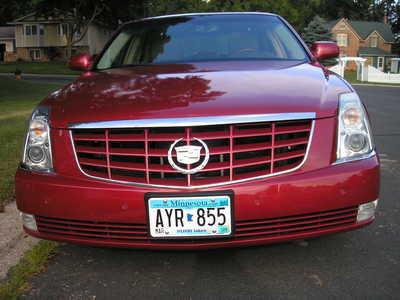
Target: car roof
{"points": [[204, 14]]}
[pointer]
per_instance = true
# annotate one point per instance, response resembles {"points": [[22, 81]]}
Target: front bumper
{"points": [[298, 205]]}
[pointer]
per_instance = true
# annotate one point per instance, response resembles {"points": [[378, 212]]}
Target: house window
{"points": [[341, 39], [78, 33], [373, 41], [34, 54], [380, 63], [31, 30], [63, 29], [41, 29]]}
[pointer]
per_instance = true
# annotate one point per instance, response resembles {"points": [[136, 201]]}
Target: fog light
{"points": [[366, 211], [29, 221], [36, 154]]}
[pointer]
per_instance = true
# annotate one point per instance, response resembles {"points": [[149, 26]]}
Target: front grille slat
{"points": [[252, 147], [292, 129], [91, 235], [291, 142], [237, 152], [49, 221], [327, 214], [289, 155], [91, 150], [93, 162], [284, 225], [251, 162], [89, 230], [279, 231], [296, 224], [245, 229]]}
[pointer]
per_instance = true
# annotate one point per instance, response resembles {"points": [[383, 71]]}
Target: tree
{"points": [[317, 30], [162, 7], [295, 12], [75, 15], [395, 21], [14, 9]]}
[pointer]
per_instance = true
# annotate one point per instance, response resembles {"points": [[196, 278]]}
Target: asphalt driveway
{"points": [[363, 264]]}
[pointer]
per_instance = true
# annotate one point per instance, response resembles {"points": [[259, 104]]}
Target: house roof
{"points": [[7, 33], [56, 17], [369, 51], [33, 18], [365, 28]]}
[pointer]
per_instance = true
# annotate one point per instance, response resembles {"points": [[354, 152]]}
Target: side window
{"points": [[132, 51], [113, 53], [288, 45]]}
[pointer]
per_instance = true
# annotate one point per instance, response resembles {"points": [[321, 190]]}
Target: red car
{"points": [[199, 131]]}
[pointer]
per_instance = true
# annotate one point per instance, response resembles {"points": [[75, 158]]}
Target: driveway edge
{"points": [[14, 241]]}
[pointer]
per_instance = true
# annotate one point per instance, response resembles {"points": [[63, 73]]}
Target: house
{"points": [[7, 43], [40, 38], [370, 40]]}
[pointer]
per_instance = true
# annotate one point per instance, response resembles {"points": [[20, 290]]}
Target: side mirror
{"points": [[81, 62], [324, 50]]}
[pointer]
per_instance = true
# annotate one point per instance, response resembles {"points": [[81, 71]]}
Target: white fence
{"points": [[375, 75], [372, 74]]}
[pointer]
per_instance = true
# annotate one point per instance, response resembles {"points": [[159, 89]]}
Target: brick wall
{"points": [[10, 56], [354, 42]]}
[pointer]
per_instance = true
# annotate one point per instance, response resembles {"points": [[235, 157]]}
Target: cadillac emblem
{"points": [[188, 155]]}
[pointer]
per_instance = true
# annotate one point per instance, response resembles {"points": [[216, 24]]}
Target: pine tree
{"points": [[316, 30]]}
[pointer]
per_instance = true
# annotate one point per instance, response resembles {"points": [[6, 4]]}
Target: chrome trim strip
{"points": [[350, 159], [197, 186], [207, 14], [195, 121]]}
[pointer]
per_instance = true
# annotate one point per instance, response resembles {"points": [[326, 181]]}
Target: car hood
{"points": [[197, 90]]}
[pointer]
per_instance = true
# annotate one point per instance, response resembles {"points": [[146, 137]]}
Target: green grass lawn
{"points": [[350, 76], [33, 262], [37, 68], [17, 99]]}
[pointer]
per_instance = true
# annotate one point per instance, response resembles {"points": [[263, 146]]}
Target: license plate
{"points": [[208, 216]]}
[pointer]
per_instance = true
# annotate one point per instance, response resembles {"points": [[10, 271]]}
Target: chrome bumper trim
{"points": [[194, 121]]}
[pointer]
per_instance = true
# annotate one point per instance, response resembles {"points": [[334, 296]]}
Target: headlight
{"points": [[37, 149], [354, 132]]}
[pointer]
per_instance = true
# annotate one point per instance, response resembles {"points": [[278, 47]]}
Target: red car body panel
{"points": [[318, 188], [197, 90]]}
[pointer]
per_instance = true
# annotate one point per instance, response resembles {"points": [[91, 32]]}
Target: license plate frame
{"points": [[228, 193]]}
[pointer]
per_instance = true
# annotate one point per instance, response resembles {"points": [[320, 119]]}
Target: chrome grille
{"points": [[237, 152]]}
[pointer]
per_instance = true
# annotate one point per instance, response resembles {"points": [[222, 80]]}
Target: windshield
{"points": [[202, 38]]}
